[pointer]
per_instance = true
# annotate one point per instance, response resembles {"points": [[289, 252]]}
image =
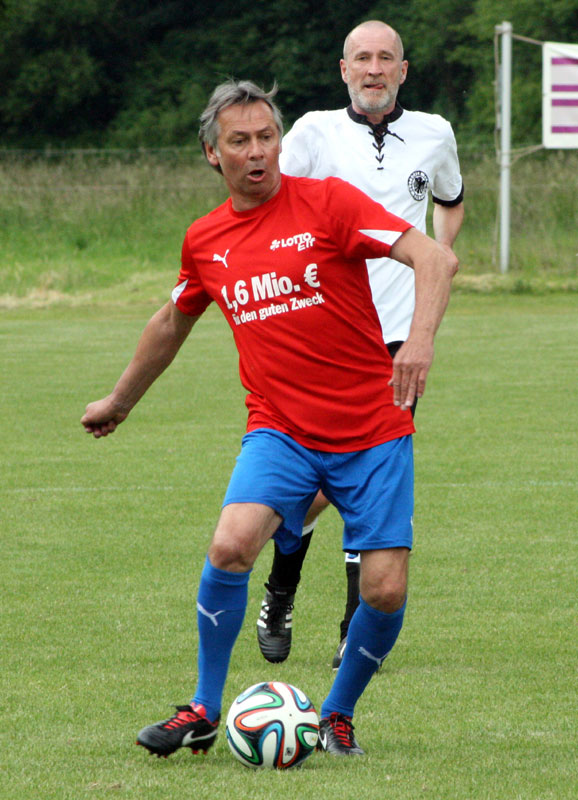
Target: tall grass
{"points": [[544, 215], [82, 223], [90, 222]]}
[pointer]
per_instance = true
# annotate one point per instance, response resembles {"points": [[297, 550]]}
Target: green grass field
{"points": [[103, 543]]}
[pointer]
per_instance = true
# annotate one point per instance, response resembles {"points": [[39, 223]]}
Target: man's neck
{"points": [[394, 112], [246, 202], [375, 119]]}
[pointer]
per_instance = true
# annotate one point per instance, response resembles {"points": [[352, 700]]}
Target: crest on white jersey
{"points": [[417, 184]]}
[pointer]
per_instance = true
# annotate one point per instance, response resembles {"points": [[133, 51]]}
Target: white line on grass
{"points": [[141, 488]]}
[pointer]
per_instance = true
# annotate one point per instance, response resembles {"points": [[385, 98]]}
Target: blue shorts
{"points": [[372, 489]]}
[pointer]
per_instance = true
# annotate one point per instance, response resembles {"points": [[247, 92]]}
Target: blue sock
{"points": [[370, 637], [221, 604]]}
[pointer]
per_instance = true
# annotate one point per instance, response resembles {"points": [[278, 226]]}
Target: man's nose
{"points": [[255, 148]]}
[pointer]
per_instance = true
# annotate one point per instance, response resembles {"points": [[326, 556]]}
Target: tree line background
{"points": [[131, 73]]}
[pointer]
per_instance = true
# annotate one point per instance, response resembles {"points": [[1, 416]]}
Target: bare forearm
{"points": [[447, 221], [434, 266], [158, 345], [433, 278]]}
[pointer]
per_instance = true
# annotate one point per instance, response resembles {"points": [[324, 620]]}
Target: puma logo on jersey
{"points": [[223, 259]]}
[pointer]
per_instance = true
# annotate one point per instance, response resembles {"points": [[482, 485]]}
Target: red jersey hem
{"points": [[340, 446]]}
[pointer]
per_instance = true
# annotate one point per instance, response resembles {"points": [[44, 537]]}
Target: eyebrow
{"points": [[382, 52], [245, 132]]}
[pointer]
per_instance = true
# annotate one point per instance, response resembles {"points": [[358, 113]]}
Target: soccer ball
{"points": [[272, 724]]}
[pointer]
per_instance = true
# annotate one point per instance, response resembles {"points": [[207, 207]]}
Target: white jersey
{"points": [[396, 163]]}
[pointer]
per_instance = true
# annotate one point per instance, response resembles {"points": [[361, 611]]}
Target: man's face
{"points": [[373, 71], [248, 147]]}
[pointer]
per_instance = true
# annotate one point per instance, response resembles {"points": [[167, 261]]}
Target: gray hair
{"points": [[231, 93]]}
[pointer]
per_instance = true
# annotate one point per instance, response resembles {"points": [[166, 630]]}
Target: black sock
{"points": [[352, 572], [286, 569]]}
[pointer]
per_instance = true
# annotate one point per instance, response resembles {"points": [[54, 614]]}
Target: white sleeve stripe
{"points": [[387, 237], [178, 290]]}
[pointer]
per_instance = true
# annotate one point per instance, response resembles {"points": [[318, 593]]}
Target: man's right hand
{"points": [[102, 417]]}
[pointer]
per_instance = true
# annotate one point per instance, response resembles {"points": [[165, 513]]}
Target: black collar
{"points": [[362, 119]]}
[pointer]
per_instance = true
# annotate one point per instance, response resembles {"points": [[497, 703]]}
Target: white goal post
{"points": [[559, 112]]}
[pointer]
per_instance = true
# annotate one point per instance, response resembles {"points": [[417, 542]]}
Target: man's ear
{"points": [[211, 154], [403, 76]]}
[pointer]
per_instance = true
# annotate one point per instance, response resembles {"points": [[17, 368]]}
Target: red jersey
{"points": [[291, 279]]}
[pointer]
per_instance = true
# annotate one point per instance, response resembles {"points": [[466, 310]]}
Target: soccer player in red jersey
{"points": [[284, 258]]}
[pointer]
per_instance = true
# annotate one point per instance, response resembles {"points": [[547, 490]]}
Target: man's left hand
{"points": [[410, 370]]}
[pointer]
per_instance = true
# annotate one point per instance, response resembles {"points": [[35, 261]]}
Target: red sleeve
{"points": [[362, 227], [189, 294]]}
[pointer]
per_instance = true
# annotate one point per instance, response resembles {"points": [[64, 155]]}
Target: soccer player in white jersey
{"points": [[397, 157], [284, 259]]}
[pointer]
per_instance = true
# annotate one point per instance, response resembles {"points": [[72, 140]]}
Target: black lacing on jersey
{"points": [[379, 131]]}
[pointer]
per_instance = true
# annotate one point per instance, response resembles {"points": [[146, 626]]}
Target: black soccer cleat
{"points": [[274, 624], [336, 736], [189, 727], [338, 657]]}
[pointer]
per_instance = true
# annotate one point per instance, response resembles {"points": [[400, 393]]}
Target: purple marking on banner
{"points": [[565, 87], [564, 129], [565, 102], [565, 61]]}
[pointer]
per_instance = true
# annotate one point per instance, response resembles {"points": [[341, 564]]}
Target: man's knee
{"points": [[386, 596], [241, 533], [384, 577], [231, 555]]}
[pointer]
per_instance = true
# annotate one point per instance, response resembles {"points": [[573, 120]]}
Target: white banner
{"points": [[560, 95]]}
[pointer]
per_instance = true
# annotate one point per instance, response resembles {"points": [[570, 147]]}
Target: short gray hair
{"points": [[231, 93]]}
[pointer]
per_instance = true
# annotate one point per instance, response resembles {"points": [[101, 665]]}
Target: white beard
{"points": [[373, 105]]}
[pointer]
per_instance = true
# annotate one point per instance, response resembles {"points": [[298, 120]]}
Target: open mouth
{"points": [[256, 174]]}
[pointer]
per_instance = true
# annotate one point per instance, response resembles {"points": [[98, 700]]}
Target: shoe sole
{"points": [[200, 744], [271, 652], [341, 753]]}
